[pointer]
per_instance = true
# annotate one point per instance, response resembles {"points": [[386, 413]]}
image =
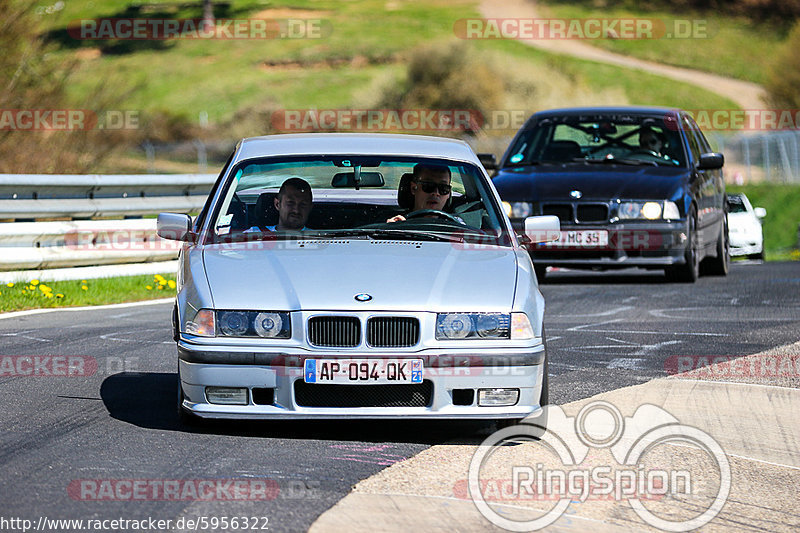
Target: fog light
{"points": [[226, 395], [497, 397]]}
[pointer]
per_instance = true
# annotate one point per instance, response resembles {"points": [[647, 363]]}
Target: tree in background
{"points": [[783, 85], [30, 80]]}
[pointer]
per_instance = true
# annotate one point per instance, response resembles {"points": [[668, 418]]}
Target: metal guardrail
{"points": [[71, 237], [31, 196]]}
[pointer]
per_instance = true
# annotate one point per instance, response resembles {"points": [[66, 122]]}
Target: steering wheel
{"points": [[428, 212]]}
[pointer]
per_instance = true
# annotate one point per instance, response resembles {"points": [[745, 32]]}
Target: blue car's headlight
{"points": [[518, 209], [266, 324], [453, 326], [648, 210]]}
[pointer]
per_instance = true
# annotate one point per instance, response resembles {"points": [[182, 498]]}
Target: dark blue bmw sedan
{"points": [[632, 187]]}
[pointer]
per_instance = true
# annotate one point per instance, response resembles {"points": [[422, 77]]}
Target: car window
{"points": [[736, 205], [694, 147], [571, 139], [356, 196]]}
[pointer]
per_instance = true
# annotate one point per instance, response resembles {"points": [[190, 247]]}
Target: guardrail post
{"points": [[202, 157], [150, 151]]}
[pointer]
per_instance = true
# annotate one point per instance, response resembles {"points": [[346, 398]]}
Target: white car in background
{"points": [[744, 227]]}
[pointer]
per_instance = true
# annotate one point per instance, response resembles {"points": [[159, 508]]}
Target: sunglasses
{"points": [[429, 186]]}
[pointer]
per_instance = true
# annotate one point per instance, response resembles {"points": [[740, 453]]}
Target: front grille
{"points": [[335, 331], [327, 395], [592, 212], [392, 331], [562, 211]]}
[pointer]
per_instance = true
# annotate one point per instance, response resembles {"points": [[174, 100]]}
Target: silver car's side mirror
{"points": [[760, 212], [544, 228], [174, 226]]}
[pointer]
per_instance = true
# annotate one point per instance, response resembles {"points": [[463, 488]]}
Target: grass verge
{"points": [[716, 44], [780, 225], [35, 294]]}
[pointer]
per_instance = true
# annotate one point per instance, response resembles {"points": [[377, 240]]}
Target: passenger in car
{"points": [[293, 203], [429, 188], [650, 140]]}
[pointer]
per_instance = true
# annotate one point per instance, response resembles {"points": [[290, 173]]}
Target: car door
{"points": [[701, 184]]}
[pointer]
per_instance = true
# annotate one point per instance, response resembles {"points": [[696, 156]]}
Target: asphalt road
{"points": [[61, 434]]}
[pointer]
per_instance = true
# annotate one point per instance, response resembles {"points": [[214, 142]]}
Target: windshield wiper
{"points": [[378, 233], [613, 160]]}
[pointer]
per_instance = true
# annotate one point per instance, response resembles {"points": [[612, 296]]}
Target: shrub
{"points": [[783, 84]]}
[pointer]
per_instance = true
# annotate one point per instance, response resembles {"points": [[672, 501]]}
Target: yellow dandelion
{"points": [[34, 282], [45, 288], [158, 277], [172, 284], [9, 284], [48, 295], [84, 281], [84, 288], [160, 287], [149, 287], [59, 295], [24, 291]]}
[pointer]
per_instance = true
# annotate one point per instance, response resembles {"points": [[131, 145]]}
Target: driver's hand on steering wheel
{"points": [[397, 218]]}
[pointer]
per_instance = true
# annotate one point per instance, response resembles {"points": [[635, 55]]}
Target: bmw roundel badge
{"points": [[576, 194], [363, 297]]}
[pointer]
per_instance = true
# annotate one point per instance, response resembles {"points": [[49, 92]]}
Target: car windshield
{"points": [[736, 205], [622, 139], [357, 197]]}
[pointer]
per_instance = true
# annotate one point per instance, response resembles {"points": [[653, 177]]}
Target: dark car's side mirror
{"points": [[711, 161], [489, 161]]}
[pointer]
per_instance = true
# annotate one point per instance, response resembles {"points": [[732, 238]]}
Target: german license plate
{"points": [[581, 238], [357, 371]]}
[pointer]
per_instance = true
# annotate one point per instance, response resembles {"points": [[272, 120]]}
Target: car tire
{"points": [[690, 271], [719, 266], [541, 272]]}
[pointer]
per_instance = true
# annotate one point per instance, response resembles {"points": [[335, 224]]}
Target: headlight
{"points": [[269, 324], [451, 326], [648, 210], [266, 324], [518, 209], [202, 324]]}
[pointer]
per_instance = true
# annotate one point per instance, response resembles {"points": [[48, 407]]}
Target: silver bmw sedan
{"points": [[357, 276]]}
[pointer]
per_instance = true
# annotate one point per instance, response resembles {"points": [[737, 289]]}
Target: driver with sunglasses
{"points": [[430, 188]]}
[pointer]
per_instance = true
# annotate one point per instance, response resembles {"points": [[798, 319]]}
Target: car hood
{"points": [[598, 182], [327, 275]]}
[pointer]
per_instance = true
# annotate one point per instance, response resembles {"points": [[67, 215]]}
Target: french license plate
{"points": [[582, 238], [362, 371]]}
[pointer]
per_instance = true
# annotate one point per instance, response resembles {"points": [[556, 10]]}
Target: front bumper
{"points": [[646, 245], [742, 245], [447, 371]]}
